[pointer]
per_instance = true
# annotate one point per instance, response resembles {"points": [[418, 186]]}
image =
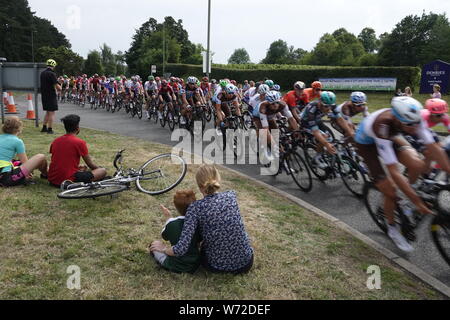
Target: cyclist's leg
{"points": [[411, 160]]}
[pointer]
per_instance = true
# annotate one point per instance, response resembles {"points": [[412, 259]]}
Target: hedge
{"points": [[287, 75]]}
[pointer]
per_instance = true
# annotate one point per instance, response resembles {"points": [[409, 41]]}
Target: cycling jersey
{"points": [[312, 94], [150, 86], [221, 98], [265, 114], [381, 127], [348, 110], [175, 87], [191, 92], [254, 102], [249, 94], [445, 120], [205, 87], [109, 86], [135, 86], [311, 117], [165, 90], [292, 99]]}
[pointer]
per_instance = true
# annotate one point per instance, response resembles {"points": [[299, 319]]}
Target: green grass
{"points": [[297, 254]]}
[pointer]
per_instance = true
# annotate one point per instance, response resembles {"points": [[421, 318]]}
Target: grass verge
{"points": [[297, 254]]}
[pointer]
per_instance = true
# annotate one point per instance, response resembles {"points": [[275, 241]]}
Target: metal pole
{"points": [[208, 60], [32, 45]]}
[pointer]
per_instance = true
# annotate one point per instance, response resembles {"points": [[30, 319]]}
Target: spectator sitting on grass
{"points": [[172, 232], [66, 153], [225, 243], [10, 146], [436, 92]]}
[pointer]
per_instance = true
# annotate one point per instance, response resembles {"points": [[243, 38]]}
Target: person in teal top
{"points": [[190, 261], [10, 147]]}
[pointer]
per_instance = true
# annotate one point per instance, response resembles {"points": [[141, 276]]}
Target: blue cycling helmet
{"points": [[273, 96], [358, 98], [328, 98], [276, 87]]}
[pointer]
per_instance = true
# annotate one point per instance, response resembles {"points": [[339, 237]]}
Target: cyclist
{"points": [[264, 115], [191, 95], [206, 88], [165, 93], [311, 121], [381, 135], [296, 99], [357, 104], [435, 113], [221, 101], [65, 86], [262, 90], [151, 92], [315, 91], [270, 83]]}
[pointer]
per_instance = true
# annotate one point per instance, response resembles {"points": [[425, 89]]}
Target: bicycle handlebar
{"points": [[117, 158]]}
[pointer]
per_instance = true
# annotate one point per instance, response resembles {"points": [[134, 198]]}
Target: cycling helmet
{"points": [[299, 85], [205, 79], [65, 76], [164, 83], [133, 78], [151, 78], [273, 96], [270, 83], [358, 98], [111, 79], [231, 89], [328, 98], [406, 109], [192, 80], [198, 83], [316, 85], [223, 83], [263, 89], [118, 79], [436, 106], [173, 79], [51, 63], [276, 87]]}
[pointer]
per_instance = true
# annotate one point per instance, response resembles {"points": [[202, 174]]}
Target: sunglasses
{"points": [[438, 115]]}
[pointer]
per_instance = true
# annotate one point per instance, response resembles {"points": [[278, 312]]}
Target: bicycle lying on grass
{"points": [[157, 176]]}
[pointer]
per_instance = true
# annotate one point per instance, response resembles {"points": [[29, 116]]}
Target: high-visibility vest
{"points": [[4, 164]]}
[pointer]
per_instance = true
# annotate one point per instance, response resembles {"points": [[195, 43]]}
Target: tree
{"points": [[416, 40], [146, 47], [277, 53], [69, 62], [16, 25], [369, 40], [108, 60], [239, 56], [93, 63], [341, 48]]}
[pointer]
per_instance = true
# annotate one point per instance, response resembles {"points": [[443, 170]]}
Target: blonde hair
{"points": [[208, 179], [407, 90], [183, 199], [12, 125], [438, 87]]}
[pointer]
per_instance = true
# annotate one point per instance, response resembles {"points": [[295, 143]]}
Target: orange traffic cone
{"points": [[11, 104], [30, 111], [5, 101]]}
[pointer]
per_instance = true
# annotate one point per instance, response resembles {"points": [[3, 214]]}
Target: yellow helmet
{"points": [[51, 63]]}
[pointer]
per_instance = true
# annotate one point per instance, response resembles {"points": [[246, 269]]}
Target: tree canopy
{"points": [[239, 56]]}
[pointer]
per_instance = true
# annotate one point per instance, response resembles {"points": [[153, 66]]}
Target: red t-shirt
{"points": [[66, 153]]}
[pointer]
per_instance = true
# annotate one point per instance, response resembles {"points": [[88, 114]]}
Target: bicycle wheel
{"points": [[208, 112], [374, 201], [352, 176], [317, 170], [299, 171], [94, 190], [161, 174], [440, 232], [171, 120], [162, 120], [248, 122], [139, 110]]}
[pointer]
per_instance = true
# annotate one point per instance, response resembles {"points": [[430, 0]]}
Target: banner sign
{"points": [[436, 72], [350, 84]]}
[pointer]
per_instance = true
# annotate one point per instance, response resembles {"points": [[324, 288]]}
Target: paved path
{"points": [[339, 202]]}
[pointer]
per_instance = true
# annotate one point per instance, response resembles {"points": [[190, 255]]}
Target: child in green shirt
{"points": [[172, 232]]}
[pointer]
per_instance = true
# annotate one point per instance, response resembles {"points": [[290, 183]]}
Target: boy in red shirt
{"points": [[66, 153]]}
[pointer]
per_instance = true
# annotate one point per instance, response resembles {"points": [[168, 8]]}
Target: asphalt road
{"points": [[331, 197]]}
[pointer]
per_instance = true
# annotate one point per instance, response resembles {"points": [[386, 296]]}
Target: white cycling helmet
{"points": [[192, 80], [273, 96], [263, 89], [231, 89], [406, 109], [299, 85], [358, 98]]}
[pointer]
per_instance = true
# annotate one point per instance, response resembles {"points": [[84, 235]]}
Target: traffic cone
{"points": [[30, 111], [5, 101], [11, 105]]}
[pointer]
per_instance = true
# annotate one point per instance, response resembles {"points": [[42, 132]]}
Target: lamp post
{"points": [[208, 50]]}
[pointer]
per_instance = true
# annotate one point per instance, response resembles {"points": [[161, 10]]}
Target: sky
{"points": [[252, 25]]}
